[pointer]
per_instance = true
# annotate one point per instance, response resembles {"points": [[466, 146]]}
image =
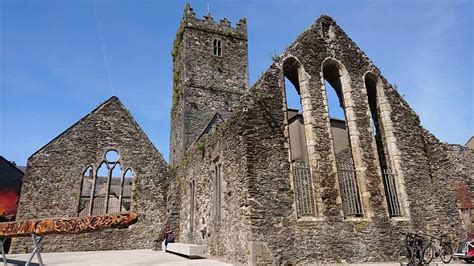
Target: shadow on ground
{"points": [[17, 263]]}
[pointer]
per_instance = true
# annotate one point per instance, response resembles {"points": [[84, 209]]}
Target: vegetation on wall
{"points": [[229, 33], [177, 88], [177, 40], [275, 57], [261, 96], [200, 145]]}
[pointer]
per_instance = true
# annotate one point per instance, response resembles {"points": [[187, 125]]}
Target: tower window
{"points": [[217, 47]]}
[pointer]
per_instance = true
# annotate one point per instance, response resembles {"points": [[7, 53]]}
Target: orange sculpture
{"points": [[76, 225]]}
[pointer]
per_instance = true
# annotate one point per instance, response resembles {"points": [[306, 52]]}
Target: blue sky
{"points": [[60, 59]]}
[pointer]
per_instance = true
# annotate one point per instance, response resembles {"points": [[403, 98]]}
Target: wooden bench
{"points": [[37, 229], [188, 250]]}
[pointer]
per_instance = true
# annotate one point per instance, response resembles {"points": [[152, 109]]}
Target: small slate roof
{"points": [[10, 175]]}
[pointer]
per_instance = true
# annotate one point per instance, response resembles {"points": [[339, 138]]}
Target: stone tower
{"points": [[210, 73]]}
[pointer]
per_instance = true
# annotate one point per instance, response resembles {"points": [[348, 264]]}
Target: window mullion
{"points": [[109, 179], [91, 203]]}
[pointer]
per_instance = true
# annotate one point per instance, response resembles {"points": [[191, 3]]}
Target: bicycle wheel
{"points": [[417, 255], [446, 253], [405, 255], [428, 254]]}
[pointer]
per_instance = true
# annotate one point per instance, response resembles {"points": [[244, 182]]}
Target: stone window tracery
{"points": [[108, 189]]}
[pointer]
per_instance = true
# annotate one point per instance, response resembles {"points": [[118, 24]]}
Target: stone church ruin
{"points": [[92, 169], [251, 179]]}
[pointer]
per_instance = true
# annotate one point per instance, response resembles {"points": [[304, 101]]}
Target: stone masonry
{"points": [[461, 174], [52, 181], [232, 185], [204, 83], [259, 223]]}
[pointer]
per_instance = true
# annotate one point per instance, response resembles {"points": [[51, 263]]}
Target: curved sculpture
{"points": [[76, 225]]}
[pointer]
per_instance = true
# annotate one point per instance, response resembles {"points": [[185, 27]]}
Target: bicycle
{"points": [[444, 251], [412, 250]]}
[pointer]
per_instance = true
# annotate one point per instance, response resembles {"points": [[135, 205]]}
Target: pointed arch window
{"points": [[388, 177], [296, 127], [217, 194], [126, 190], [108, 189], [86, 190], [348, 183]]}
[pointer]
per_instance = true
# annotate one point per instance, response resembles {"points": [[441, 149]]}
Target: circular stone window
{"points": [[112, 156]]}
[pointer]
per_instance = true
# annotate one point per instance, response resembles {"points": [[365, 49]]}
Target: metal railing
{"points": [[303, 183], [349, 190], [391, 193]]}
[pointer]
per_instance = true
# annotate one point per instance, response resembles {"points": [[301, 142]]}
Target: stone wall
{"points": [[273, 233], [52, 181], [423, 188], [250, 216], [461, 174], [204, 83], [227, 238]]}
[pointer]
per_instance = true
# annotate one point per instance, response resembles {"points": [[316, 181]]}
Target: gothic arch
{"points": [[87, 180], [351, 181], [386, 146], [299, 134], [290, 67]]}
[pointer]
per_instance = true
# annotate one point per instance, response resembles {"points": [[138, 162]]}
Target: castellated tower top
{"points": [[207, 23]]}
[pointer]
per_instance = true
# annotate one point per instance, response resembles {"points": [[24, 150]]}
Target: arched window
{"points": [[217, 190], [349, 188], [100, 191], [300, 171], [217, 47], [113, 196], [106, 190], [86, 190], [388, 177], [126, 190]]}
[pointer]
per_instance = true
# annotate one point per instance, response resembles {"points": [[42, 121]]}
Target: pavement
{"points": [[142, 257]]}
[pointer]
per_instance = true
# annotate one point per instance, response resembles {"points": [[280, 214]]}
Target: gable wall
{"points": [[52, 182], [425, 195]]}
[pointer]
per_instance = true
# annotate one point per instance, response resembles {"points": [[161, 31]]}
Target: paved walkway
{"points": [[142, 257]]}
